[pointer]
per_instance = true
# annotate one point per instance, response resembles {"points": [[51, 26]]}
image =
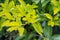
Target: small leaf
{"points": [[11, 5], [5, 23], [51, 23], [8, 16], [44, 2], [1, 21], [1, 14], [54, 2], [56, 17], [21, 31], [8, 23], [11, 29], [48, 16], [56, 10], [57, 23]]}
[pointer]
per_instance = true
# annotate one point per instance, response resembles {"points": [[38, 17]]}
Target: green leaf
{"points": [[44, 2], [1, 21], [56, 37], [36, 1], [47, 31]]}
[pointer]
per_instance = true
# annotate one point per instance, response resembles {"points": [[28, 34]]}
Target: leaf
{"points": [[30, 7], [47, 31], [5, 23], [1, 14], [8, 16], [21, 10], [38, 28], [1, 21], [21, 31], [11, 5], [56, 10], [11, 29], [36, 1], [56, 37], [6, 4], [8, 23], [48, 16], [55, 2], [22, 3], [31, 17], [56, 18], [51, 23], [44, 2], [57, 23]]}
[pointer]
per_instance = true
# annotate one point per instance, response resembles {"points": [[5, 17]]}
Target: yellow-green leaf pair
{"points": [[52, 20]]}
